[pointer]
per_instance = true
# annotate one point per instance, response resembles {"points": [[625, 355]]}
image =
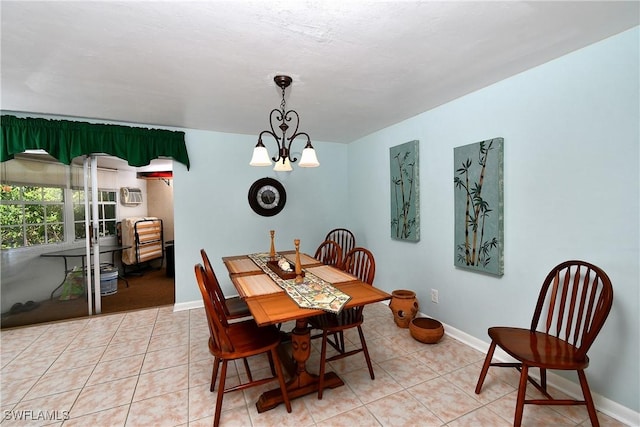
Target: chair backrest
{"points": [[216, 318], [213, 280], [574, 303], [329, 253], [343, 237], [361, 263]]}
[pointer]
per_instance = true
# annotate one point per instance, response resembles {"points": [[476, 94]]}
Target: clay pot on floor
{"points": [[426, 330], [404, 306]]}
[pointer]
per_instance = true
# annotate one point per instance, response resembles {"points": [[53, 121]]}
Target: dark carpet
{"points": [[151, 289]]}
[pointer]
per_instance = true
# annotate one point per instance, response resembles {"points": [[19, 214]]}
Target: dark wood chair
{"points": [[361, 263], [344, 238], [239, 340], [329, 253], [573, 304], [234, 307]]}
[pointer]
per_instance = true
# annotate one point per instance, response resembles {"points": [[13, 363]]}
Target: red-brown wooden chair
{"points": [[361, 263], [329, 253], [234, 307], [573, 304], [239, 340], [344, 238]]}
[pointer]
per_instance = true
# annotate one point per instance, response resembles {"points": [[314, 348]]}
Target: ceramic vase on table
{"points": [[404, 306]]}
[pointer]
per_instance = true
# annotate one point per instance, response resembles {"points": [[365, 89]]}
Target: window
{"points": [[43, 203], [31, 215], [106, 213]]}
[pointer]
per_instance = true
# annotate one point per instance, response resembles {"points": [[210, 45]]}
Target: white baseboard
{"points": [[187, 305], [604, 405]]}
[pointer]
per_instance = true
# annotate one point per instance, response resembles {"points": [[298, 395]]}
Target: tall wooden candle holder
{"points": [[299, 279], [272, 251]]}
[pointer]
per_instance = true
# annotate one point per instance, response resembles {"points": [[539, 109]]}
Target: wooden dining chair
{"points": [[361, 263], [329, 253], [234, 307], [573, 304], [344, 238], [239, 340]]}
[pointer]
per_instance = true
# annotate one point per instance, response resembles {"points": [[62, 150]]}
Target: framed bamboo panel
{"points": [[404, 199], [479, 206]]}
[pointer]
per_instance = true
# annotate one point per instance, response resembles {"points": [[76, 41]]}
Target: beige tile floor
{"points": [[152, 368]]}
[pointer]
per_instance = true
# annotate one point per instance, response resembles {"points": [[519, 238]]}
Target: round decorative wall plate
{"points": [[267, 197]]}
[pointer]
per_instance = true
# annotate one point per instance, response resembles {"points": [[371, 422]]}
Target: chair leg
{"points": [[247, 369], [223, 376], [273, 355], [271, 365], [323, 360], [543, 378], [522, 388], [365, 350], [214, 375], [335, 342], [485, 367], [593, 416]]}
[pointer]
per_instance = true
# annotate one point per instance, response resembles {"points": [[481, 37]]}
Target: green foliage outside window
{"points": [[31, 215], [106, 213]]}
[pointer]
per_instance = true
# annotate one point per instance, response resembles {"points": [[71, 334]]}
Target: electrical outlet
{"points": [[434, 296]]}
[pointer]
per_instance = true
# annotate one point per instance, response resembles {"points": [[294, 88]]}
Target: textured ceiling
{"points": [[357, 66]]}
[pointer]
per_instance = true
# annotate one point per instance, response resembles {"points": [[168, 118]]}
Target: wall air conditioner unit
{"points": [[130, 196]]}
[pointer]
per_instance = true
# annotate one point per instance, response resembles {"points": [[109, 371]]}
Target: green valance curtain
{"points": [[66, 140]]}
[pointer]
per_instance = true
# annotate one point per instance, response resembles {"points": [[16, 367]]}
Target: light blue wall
{"points": [[212, 211], [571, 130], [571, 179]]}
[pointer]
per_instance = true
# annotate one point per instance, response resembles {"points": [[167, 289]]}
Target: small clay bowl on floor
{"points": [[426, 330]]}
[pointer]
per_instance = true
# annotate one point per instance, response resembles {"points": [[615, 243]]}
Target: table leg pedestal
{"points": [[302, 382]]}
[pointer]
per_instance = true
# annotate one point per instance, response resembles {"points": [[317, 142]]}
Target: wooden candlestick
{"points": [[272, 251], [299, 279]]}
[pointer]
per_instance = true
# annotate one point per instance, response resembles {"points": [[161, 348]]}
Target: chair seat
{"points": [[237, 307], [537, 348], [248, 338], [348, 317]]}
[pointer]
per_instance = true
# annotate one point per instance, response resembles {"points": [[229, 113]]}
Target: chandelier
{"points": [[283, 160]]}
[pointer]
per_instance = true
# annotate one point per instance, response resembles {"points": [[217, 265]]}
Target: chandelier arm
{"points": [[276, 138], [288, 118], [278, 118], [292, 138]]}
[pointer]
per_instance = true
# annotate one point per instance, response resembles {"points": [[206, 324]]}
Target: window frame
{"points": [[46, 237], [107, 224], [103, 219]]}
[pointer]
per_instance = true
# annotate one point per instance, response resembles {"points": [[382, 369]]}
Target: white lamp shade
{"points": [[309, 158], [283, 167], [260, 157]]}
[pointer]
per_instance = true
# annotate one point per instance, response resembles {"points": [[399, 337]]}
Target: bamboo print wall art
{"points": [[478, 182], [405, 197]]}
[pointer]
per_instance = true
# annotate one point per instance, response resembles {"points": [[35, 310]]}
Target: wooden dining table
{"points": [[270, 305]]}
